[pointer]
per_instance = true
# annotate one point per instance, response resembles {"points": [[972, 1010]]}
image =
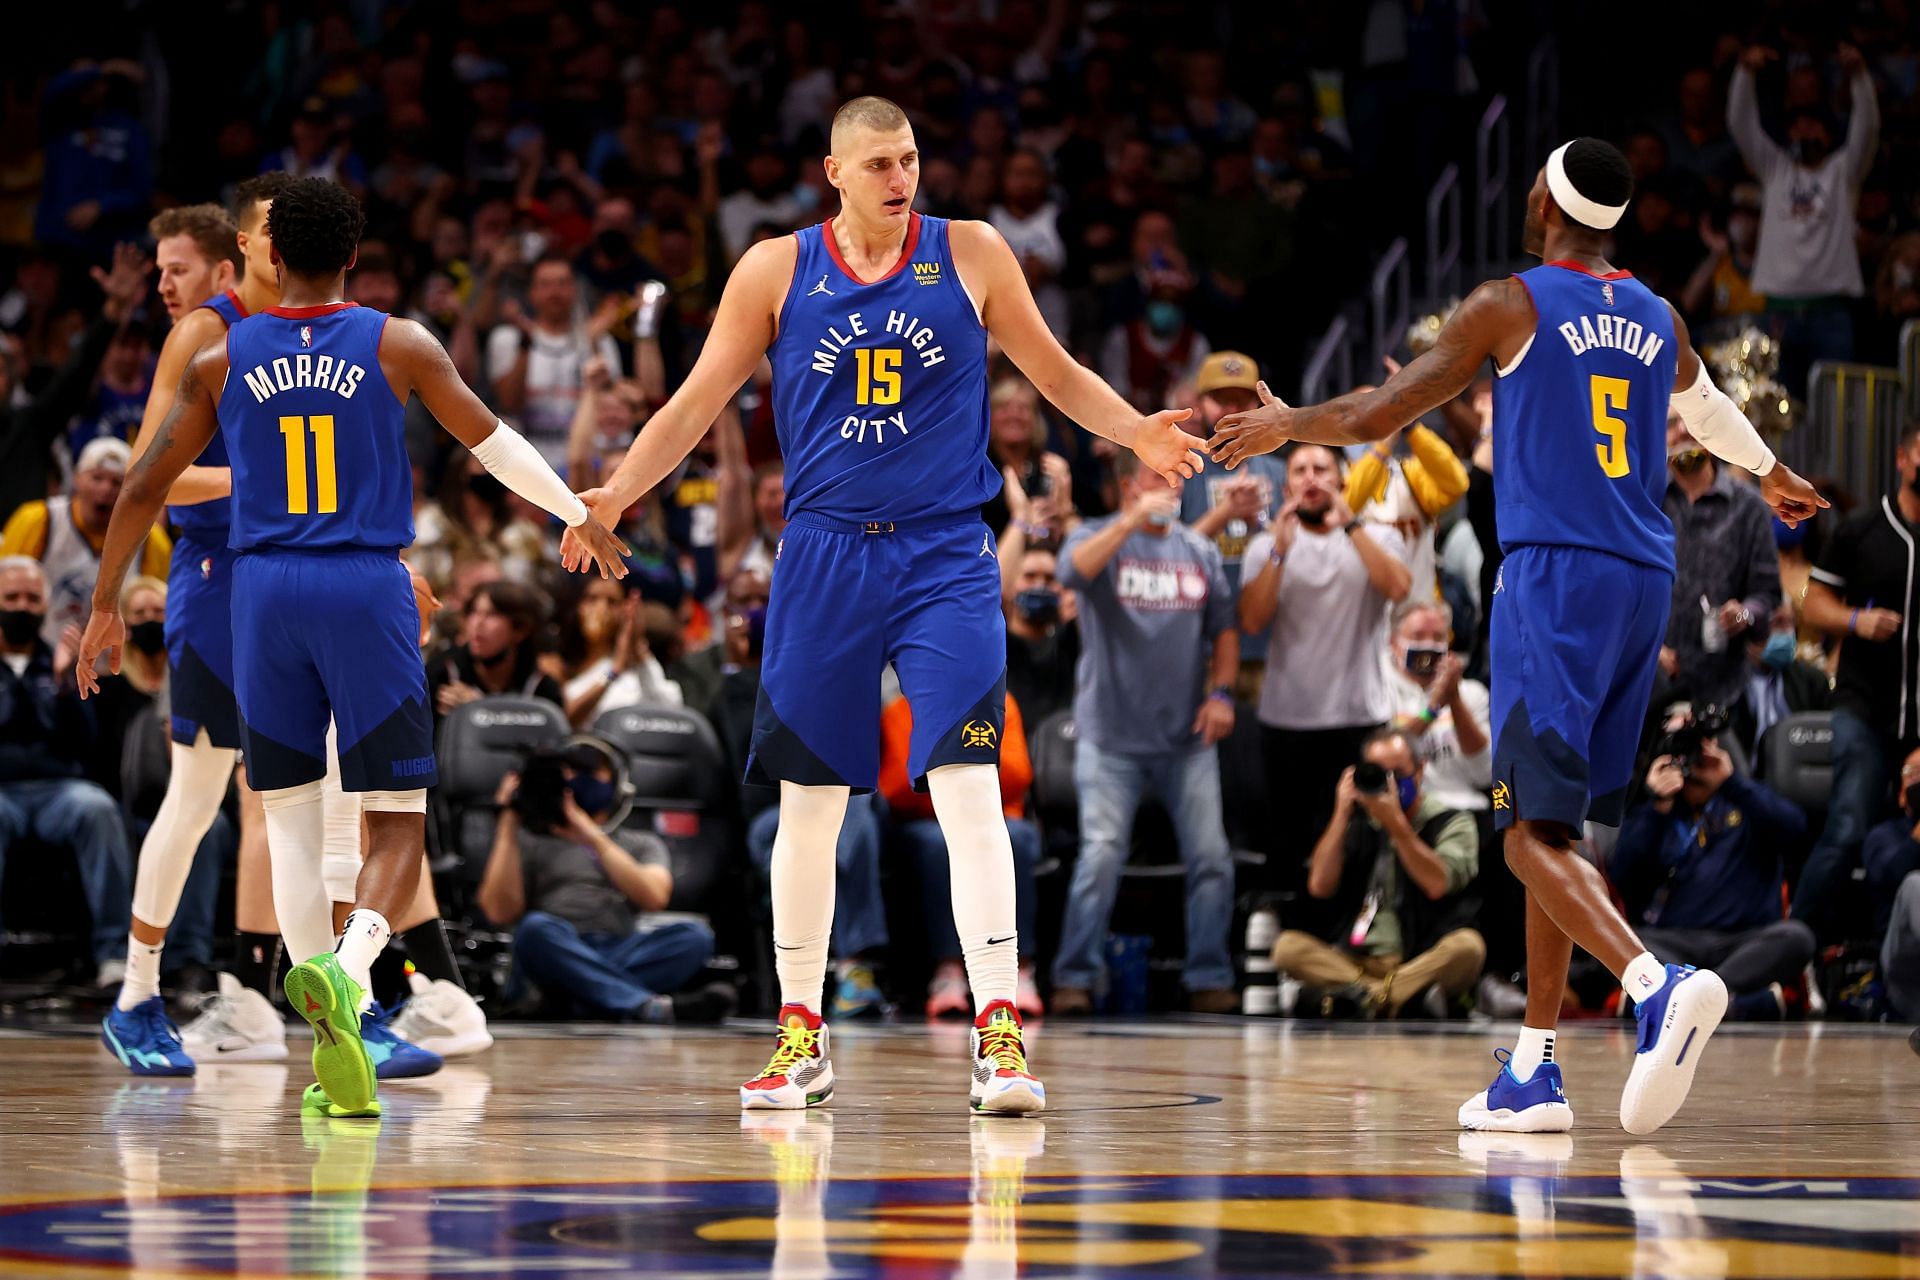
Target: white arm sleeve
{"points": [[519, 466], [1720, 427]]}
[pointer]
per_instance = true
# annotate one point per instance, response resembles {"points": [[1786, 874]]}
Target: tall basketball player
{"points": [[324, 625], [1587, 362], [204, 281], [876, 322]]}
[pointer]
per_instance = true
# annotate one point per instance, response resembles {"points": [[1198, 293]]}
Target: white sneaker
{"points": [[441, 1018], [800, 1074], [1001, 1082], [235, 1024], [1675, 1024]]}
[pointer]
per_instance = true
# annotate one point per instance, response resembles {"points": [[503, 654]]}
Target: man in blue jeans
{"points": [[577, 900], [45, 739], [1154, 693], [1863, 589]]}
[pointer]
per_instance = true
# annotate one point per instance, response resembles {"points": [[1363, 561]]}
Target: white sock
{"points": [[1534, 1047], [195, 788], [143, 973], [295, 846], [363, 938], [801, 878], [966, 800], [1644, 976]]}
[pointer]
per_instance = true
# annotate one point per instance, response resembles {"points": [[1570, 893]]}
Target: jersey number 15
{"points": [[326, 500], [1610, 393]]}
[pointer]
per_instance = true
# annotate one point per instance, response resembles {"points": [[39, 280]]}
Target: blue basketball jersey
{"points": [[316, 437], [210, 521], [1580, 424], [880, 387]]}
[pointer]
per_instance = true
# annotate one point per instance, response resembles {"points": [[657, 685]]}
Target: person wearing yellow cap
{"points": [[1229, 507]]}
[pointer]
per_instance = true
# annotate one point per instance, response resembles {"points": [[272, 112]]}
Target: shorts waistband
{"points": [[809, 520], [385, 553]]}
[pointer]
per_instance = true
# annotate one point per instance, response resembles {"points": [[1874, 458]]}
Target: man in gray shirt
{"points": [[1154, 693], [575, 898]]}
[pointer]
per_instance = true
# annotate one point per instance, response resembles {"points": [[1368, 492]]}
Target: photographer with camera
{"points": [[1394, 866], [1700, 867], [577, 898]]}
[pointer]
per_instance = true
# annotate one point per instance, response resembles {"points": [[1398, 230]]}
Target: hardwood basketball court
{"points": [[1236, 1147]]}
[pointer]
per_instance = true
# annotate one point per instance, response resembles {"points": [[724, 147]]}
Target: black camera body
{"points": [[1684, 743], [1370, 779]]}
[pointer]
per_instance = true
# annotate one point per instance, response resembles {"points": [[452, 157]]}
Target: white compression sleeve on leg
{"points": [[195, 789], [296, 841], [340, 809], [519, 466], [966, 800], [1722, 430], [801, 878]]}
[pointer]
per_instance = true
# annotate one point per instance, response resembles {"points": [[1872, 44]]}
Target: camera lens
{"points": [[1369, 779]]}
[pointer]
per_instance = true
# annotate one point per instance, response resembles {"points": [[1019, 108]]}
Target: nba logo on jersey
{"points": [[306, 335], [1606, 292], [206, 567]]}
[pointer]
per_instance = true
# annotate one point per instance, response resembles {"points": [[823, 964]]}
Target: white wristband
{"points": [[519, 466], [1722, 430]]}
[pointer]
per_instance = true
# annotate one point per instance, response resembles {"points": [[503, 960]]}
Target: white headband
{"points": [[1588, 213]]}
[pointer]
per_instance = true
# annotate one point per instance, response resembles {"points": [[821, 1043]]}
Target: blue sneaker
{"points": [[858, 994], [145, 1040], [393, 1058], [1537, 1104], [1675, 1022]]}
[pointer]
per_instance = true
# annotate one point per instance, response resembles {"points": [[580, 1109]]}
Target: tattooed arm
{"points": [[1494, 322], [179, 439]]}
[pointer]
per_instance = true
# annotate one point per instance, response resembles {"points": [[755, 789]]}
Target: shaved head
{"points": [[877, 114]]}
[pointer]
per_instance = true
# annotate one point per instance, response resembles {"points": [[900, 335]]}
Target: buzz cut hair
{"points": [[882, 115], [207, 225]]}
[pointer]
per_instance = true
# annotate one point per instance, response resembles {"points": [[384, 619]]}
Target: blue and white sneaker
{"points": [[1675, 1022], [1537, 1104], [393, 1058], [144, 1039]]}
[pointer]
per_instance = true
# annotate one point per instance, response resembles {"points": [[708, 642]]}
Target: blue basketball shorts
{"points": [[200, 642], [847, 600], [321, 635], [1576, 643]]}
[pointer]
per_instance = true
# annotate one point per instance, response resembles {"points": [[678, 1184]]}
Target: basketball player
{"points": [[325, 628], [876, 322], [1587, 362], [206, 284]]}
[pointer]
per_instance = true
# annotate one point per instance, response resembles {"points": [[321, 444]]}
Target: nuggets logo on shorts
{"points": [[1502, 796], [977, 734]]}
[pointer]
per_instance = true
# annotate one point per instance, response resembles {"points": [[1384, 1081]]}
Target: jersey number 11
{"points": [[326, 500]]}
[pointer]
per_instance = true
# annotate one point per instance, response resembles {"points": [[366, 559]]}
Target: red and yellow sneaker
{"points": [[799, 1075], [1001, 1082]]}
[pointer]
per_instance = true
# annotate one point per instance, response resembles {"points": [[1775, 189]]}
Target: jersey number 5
{"points": [[877, 371], [326, 500], [1610, 393]]}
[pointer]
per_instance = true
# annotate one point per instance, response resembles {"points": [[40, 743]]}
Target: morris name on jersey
{"points": [[303, 370]]}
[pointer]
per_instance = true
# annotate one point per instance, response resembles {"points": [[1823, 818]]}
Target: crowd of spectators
{"points": [[560, 194]]}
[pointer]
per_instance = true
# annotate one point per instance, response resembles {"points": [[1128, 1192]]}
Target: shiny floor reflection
{"points": [[1175, 1147]]}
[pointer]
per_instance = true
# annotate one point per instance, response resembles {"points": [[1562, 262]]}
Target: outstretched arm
{"points": [[1494, 321], [178, 440], [416, 364], [990, 270]]}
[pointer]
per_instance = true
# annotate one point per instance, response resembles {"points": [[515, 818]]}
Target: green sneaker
{"points": [[320, 991], [315, 1102]]}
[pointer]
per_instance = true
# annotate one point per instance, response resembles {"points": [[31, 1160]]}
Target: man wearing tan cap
{"points": [[1229, 507]]}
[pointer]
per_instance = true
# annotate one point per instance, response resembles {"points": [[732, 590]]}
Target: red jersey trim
{"points": [[234, 297], [1588, 271], [906, 250], [308, 313]]}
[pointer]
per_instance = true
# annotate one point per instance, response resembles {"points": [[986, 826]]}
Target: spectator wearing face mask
{"points": [[1325, 585], [1778, 683], [1806, 262], [1043, 635], [1444, 714], [65, 535], [1144, 358], [1393, 868], [1727, 572]]}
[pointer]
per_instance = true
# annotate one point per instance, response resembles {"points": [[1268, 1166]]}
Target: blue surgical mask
{"points": [[1779, 651], [1038, 605], [1164, 317], [1409, 793], [591, 793]]}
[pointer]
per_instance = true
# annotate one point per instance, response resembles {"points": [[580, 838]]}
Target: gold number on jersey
{"points": [[877, 375], [327, 500], [1610, 393]]}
